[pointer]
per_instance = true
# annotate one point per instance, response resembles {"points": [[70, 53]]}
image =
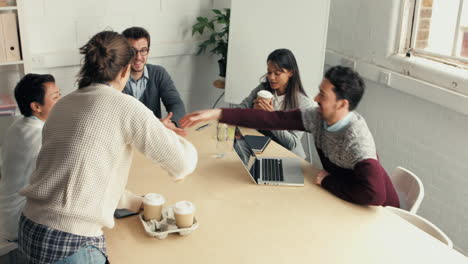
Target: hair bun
{"points": [[102, 51], [106, 53]]}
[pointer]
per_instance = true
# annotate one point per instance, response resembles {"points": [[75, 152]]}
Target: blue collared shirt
{"points": [[338, 125], [35, 117], [138, 87]]}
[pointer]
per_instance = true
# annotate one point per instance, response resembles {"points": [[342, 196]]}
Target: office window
{"points": [[438, 30]]}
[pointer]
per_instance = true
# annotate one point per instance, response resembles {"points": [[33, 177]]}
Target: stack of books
{"points": [[7, 105]]}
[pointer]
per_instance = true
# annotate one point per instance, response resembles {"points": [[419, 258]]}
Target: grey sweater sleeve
{"points": [[291, 139], [311, 119], [170, 96], [248, 101]]}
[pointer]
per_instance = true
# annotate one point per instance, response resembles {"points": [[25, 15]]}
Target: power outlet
{"points": [[385, 78], [37, 60], [348, 63]]}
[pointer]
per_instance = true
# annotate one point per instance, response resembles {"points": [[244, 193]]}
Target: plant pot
{"points": [[222, 67]]}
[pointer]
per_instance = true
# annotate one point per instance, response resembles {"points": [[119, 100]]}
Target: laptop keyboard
{"points": [[272, 169]]}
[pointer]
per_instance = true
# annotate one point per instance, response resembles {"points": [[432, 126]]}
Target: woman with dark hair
{"points": [[83, 166], [283, 80]]}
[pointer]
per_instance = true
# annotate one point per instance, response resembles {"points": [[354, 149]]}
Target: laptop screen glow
{"points": [[243, 150]]}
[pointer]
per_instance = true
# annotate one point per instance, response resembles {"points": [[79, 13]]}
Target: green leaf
{"points": [[218, 25], [222, 20], [211, 26], [197, 28]]}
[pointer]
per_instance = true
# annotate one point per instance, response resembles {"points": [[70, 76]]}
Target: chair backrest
{"points": [[422, 224], [409, 188], [6, 247]]}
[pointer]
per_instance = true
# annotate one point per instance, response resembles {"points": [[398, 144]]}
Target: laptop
{"points": [[268, 170], [257, 143]]}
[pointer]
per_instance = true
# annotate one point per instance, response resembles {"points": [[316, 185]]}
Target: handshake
{"points": [[264, 101], [190, 120]]}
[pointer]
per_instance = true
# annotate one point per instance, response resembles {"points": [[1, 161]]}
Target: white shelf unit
{"points": [[11, 63], [24, 64], [7, 8]]}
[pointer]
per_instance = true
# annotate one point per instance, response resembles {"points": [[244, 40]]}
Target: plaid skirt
{"points": [[41, 244]]}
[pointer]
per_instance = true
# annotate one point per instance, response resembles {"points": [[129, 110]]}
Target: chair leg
{"points": [[217, 100]]}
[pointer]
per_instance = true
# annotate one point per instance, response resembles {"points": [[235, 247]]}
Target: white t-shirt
{"points": [[278, 101], [21, 146]]}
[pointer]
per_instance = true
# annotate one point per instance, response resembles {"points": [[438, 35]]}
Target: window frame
{"points": [[441, 73], [411, 37], [427, 79]]}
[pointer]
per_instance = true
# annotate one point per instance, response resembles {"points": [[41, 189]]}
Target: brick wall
{"points": [[424, 24], [464, 47]]}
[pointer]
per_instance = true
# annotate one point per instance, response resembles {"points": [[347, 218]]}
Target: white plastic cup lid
{"points": [[265, 94], [154, 199], [184, 207]]}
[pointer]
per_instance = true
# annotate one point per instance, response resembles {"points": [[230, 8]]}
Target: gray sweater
{"points": [[160, 87], [290, 139], [343, 148], [347, 154]]}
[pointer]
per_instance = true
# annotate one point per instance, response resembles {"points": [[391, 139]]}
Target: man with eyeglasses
{"points": [[149, 83]]}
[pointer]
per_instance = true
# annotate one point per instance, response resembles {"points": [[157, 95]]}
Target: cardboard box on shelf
{"points": [[11, 48], [7, 102], [2, 43]]}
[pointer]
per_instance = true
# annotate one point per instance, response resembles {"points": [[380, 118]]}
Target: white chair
{"points": [[6, 247], [409, 188], [422, 224]]}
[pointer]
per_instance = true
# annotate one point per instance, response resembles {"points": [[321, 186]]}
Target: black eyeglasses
{"points": [[143, 52]]}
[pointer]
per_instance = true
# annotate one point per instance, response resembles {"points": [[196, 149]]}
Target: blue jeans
{"points": [[86, 254]]}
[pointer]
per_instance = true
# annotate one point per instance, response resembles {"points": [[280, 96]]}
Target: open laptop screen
{"points": [[245, 153]]}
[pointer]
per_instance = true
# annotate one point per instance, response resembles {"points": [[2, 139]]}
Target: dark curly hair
{"points": [[31, 89], [137, 33], [347, 83]]}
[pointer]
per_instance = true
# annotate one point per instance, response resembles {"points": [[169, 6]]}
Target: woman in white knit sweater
{"points": [[83, 165]]}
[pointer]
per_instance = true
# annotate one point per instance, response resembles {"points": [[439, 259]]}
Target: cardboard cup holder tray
{"points": [[160, 229]]}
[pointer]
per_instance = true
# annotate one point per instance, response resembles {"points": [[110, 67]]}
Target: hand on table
{"points": [[199, 116], [167, 122], [320, 176]]}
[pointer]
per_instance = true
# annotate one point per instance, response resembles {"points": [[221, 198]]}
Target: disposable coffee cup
{"points": [[265, 95], [152, 206], [183, 213]]}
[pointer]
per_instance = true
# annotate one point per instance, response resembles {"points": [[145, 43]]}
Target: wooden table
{"points": [[241, 222]]}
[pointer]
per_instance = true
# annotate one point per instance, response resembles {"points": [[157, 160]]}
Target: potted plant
{"points": [[219, 36]]}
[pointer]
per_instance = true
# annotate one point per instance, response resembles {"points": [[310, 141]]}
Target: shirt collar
{"points": [[145, 75], [35, 118], [338, 125]]}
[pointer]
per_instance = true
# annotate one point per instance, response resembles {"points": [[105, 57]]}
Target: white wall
{"points": [[427, 138], [253, 35], [57, 28], [424, 137]]}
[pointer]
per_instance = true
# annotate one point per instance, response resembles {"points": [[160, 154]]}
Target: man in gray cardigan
{"points": [[149, 83]]}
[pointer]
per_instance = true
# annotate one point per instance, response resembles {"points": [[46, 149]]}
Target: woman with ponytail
{"points": [[86, 153]]}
